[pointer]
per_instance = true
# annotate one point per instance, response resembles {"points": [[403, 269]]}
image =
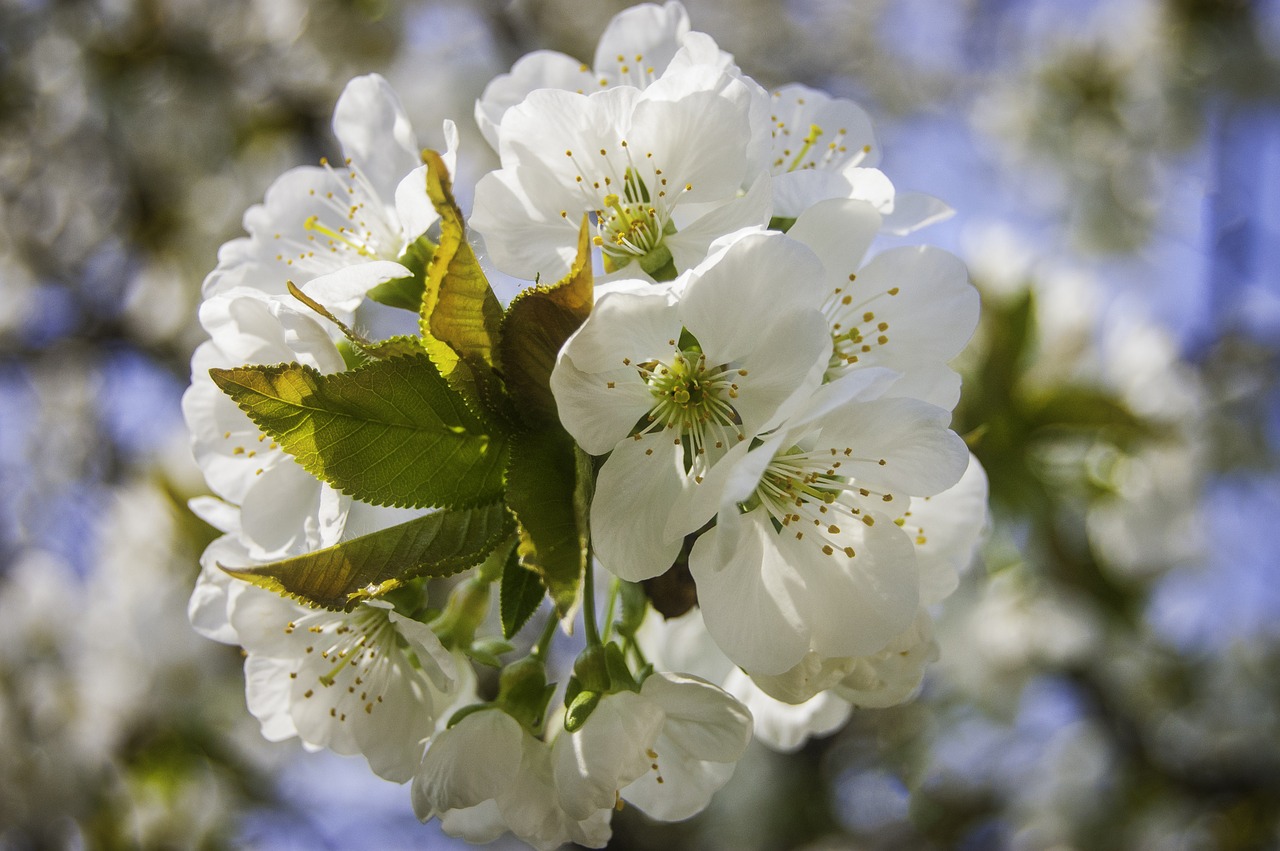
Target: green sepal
{"points": [[487, 650], [466, 609], [537, 323], [406, 292], [523, 692], [472, 709], [338, 577], [352, 357], [542, 482], [781, 223], [620, 677], [390, 432], [577, 713], [521, 594], [591, 669], [598, 671], [635, 604], [602, 668]]}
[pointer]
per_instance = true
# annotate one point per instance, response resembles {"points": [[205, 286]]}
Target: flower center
{"points": [[353, 225], [821, 147], [856, 331], [805, 494], [632, 204], [693, 399], [632, 226], [353, 645]]}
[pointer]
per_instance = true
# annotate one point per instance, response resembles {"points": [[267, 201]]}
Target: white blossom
{"points": [[340, 229], [632, 361], [661, 169], [666, 750], [368, 681], [487, 775], [683, 644], [637, 47], [908, 309], [285, 510], [805, 554]]}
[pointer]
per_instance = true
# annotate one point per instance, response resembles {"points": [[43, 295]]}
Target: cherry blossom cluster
{"points": [[771, 497]]}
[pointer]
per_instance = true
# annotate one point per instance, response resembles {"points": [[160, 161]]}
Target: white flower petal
{"points": [[626, 326], [787, 364], [599, 408], [592, 763], [854, 606], [468, 764], [413, 207], [946, 528], [933, 313], [219, 514], [692, 242], [210, 605], [541, 69], [702, 720], [268, 695], [846, 132], [915, 210], [893, 675], [899, 446], [647, 35], [375, 133], [522, 241], [635, 490], [785, 727], [345, 289], [839, 232], [748, 604], [725, 306], [693, 124], [280, 511], [477, 825], [685, 789]]}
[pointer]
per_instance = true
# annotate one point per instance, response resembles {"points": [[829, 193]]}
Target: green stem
{"points": [[614, 586], [589, 605], [544, 640], [634, 646]]}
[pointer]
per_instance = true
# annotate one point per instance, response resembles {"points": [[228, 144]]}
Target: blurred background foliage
{"points": [[1110, 675]]}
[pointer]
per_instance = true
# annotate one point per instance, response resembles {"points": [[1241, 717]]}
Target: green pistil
{"points": [[814, 132], [633, 227], [339, 236], [688, 395]]}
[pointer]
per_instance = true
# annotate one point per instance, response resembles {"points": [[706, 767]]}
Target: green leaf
{"points": [[406, 293], [541, 485], [391, 432], [402, 346], [520, 596], [458, 307], [389, 348], [439, 544], [538, 322]]}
